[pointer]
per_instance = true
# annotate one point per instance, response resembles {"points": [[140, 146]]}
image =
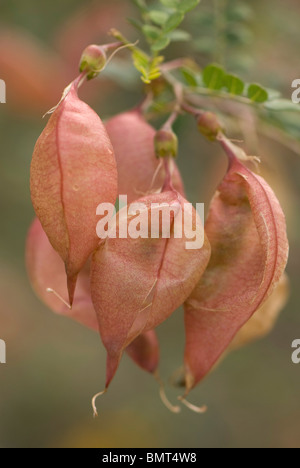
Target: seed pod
{"points": [[166, 143], [209, 125], [93, 60], [144, 351], [247, 231], [264, 319], [137, 283], [46, 270], [139, 171], [73, 170]]}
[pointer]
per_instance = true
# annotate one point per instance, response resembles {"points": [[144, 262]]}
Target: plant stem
{"points": [[119, 36], [221, 95], [178, 63], [169, 123], [191, 110]]}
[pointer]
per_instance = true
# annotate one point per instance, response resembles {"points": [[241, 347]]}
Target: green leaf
{"points": [[190, 77], [213, 76], [154, 70], [141, 62], [257, 93], [152, 33], [188, 5], [179, 35], [158, 17], [174, 20], [160, 44], [140, 58], [234, 84], [282, 105], [149, 68], [135, 23], [141, 4], [170, 3]]}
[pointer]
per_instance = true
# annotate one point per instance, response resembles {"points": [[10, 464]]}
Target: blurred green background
{"points": [[54, 366]]}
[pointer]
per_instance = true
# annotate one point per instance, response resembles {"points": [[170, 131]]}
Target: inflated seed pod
{"points": [[47, 275], [138, 281], [73, 170], [139, 170], [247, 231]]}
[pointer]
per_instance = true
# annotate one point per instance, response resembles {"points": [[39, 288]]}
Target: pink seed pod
{"points": [[247, 231], [144, 351], [264, 319], [46, 271], [73, 170], [138, 282], [139, 171], [47, 274]]}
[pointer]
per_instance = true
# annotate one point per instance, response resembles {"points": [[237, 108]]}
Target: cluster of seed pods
{"points": [[126, 287]]}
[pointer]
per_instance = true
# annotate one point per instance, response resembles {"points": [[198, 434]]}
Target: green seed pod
{"points": [[92, 61], [209, 125], [166, 144]]}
